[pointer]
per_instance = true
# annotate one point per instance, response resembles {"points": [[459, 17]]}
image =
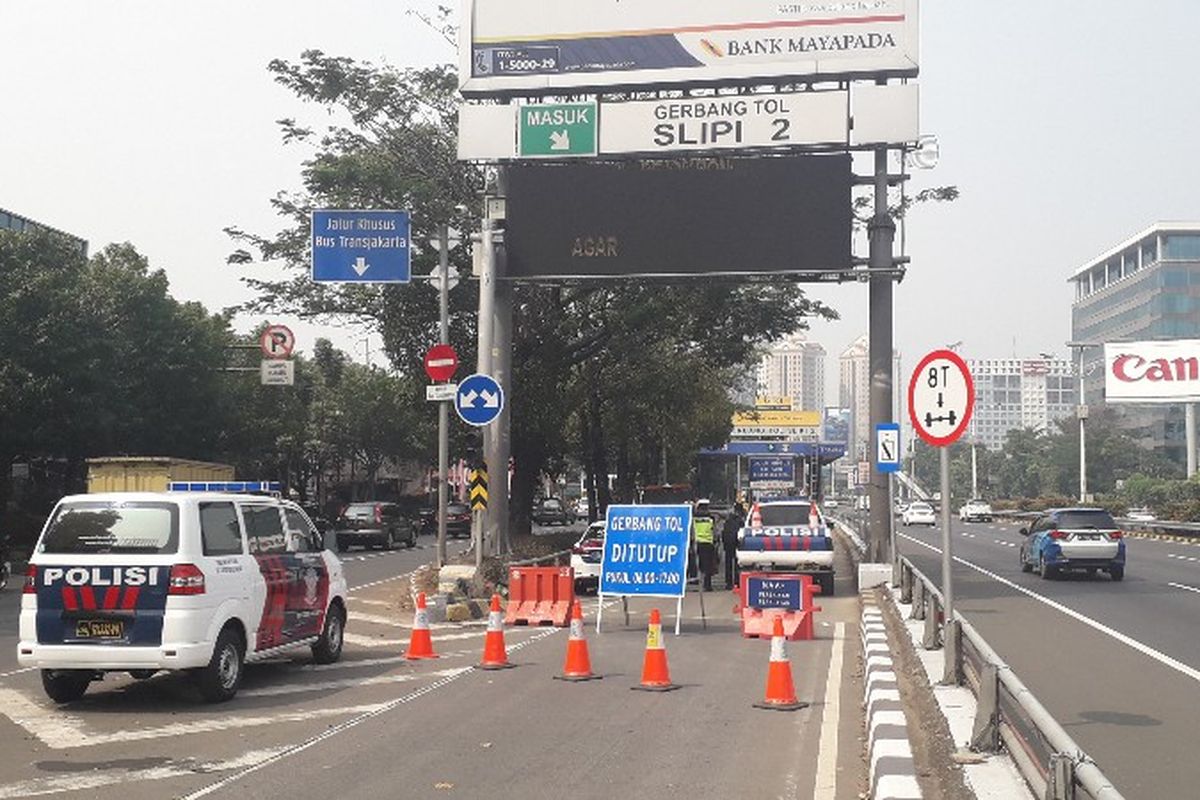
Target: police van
{"points": [[203, 578]]}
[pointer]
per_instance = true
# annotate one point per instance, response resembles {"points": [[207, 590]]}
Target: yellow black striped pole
{"points": [[478, 491]]}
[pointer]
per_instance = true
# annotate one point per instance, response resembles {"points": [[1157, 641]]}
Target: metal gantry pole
{"points": [[443, 407], [974, 474], [1082, 409], [881, 233]]}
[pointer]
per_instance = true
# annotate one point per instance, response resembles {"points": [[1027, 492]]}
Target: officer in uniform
{"points": [[729, 543], [704, 528]]}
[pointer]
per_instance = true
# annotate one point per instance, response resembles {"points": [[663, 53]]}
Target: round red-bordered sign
{"points": [[441, 362], [277, 341], [941, 398]]}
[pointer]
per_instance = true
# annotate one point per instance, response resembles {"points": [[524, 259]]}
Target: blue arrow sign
{"points": [[479, 399], [360, 247]]}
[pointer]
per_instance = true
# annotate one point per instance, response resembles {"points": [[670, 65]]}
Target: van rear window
{"points": [[1099, 519], [113, 527]]}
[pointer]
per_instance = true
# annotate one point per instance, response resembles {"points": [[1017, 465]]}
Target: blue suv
{"points": [[1063, 539]]}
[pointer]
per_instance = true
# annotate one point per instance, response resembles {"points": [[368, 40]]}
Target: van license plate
{"points": [[99, 629]]}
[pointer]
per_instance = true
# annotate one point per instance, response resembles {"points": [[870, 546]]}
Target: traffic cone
{"points": [[495, 656], [655, 675], [578, 666], [781, 693], [420, 645]]}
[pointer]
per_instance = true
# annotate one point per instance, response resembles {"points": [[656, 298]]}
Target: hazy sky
{"points": [[1067, 126]]}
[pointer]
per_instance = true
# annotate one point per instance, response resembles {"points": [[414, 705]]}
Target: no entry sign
{"points": [[441, 362], [941, 398]]}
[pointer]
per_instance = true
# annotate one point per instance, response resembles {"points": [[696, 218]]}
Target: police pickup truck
{"points": [[787, 534], [200, 581]]}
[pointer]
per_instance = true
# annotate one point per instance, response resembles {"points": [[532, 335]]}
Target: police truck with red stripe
{"points": [[201, 579]]}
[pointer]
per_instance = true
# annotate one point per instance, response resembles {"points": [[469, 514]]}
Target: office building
{"points": [[854, 393], [1014, 394], [795, 368], [1145, 288], [15, 222]]}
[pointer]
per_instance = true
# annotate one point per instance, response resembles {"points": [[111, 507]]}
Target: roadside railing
{"points": [[1008, 717]]}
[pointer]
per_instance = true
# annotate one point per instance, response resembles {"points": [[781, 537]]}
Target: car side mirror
{"points": [[295, 542], [1024, 531]]}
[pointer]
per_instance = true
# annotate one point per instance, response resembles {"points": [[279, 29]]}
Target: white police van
{"points": [[202, 578]]}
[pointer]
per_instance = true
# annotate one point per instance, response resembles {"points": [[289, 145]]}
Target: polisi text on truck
{"points": [[101, 576]]}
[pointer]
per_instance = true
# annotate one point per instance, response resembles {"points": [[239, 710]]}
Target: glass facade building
{"points": [[1147, 287], [15, 222]]}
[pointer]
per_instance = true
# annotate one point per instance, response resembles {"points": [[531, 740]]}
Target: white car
{"points": [[975, 511], [918, 513], [139, 582], [587, 555], [1140, 515], [581, 508]]}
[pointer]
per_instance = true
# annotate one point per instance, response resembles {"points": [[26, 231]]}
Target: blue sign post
{"points": [[645, 553], [772, 472], [479, 399], [887, 447], [361, 247]]}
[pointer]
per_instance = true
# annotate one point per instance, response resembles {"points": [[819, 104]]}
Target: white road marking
{"points": [[1193, 559], [1142, 648], [825, 787], [354, 589], [361, 718], [60, 730], [367, 602], [94, 780], [370, 641], [345, 683], [1184, 586], [375, 619], [17, 672]]}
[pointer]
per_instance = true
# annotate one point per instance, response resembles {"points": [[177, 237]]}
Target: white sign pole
{"points": [[947, 557]]}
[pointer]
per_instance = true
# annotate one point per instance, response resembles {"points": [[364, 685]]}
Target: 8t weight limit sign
{"points": [[941, 398]]}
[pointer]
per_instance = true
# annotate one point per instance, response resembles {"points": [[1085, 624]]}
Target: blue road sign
{"points": [[779, 592], [772, 468], [887, 447], [479, 399], [646, 550], [361, 247]]}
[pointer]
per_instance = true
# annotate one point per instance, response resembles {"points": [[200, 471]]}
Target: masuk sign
{"points": [[534, 47], [1152, 372]]}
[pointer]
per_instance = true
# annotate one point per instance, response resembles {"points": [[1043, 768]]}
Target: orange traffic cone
{"points": [[420, 645], [495, 656], [655, 675], [578, 666], [781, 693]]}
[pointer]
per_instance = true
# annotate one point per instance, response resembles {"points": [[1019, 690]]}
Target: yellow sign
{"points": [[654, 637], [774, 419], [782, 403]]}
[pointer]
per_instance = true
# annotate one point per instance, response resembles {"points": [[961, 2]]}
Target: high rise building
{"points": [[1147, 287], [1014, 393], [15, 222], [854, 393], [795, 368]]}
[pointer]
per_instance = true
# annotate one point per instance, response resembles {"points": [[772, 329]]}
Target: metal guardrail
{"points": [[1162, 526], [1008, 717], [531, 562]]}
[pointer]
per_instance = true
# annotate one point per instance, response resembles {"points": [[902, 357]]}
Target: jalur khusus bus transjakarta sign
{"points": [[534, 47]]}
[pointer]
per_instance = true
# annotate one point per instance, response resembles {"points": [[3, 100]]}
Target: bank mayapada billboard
{"points": [[532, 46], [1152, 372]]}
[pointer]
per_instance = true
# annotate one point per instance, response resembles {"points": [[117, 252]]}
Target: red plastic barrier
{"points": [[540, 596], [760, 622]]}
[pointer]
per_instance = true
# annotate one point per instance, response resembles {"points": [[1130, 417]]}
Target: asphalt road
{"points": [[1117, 664], [375, 725]]}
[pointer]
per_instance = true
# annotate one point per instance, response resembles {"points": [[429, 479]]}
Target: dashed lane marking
{"points": [[60, 784], [370, 641], [1003, 543], [346, 683], [1185, 587], [1192, 559], [1140, 647], [367, 602]]}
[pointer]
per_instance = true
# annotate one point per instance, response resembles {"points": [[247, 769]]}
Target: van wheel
{"points": [[65, 685], [328, 648], [142, 674], [219, 681], [1116, 573]]}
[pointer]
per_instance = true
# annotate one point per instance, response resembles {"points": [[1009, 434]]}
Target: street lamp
{"points": [[1083, 415]]}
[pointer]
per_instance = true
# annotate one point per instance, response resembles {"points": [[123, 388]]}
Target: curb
{"points": [[893, 772]]}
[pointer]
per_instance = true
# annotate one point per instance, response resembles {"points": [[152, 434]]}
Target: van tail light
{"points": [[378, 514], [1115, 534], [30, 580], [185, 579], [1056, 534]]}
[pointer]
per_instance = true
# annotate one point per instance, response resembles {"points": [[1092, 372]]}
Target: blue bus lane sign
{"points": [[645, 552]]}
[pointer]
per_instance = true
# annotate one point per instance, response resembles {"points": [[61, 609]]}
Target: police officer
{"points": [[729, 533], [704, 527]]}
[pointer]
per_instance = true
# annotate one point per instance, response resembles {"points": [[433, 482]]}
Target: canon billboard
{"points": [[1152, 372], [534, 47]]}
